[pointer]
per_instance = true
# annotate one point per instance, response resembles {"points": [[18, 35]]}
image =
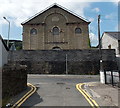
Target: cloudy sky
{"points": [[17, 11]]}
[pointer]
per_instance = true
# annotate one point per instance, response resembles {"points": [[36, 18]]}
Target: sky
{"points": [[17, 11]]}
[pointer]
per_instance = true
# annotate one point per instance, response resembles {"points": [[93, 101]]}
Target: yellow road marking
{"points": [[91, 101], [77, 86], [90, 97], [25, 97]]}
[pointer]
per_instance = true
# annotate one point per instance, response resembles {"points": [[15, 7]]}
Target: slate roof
{"points": [[115, 35], [52, 6]]}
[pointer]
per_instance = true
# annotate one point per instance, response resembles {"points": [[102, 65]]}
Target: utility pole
{"points": [[99, 32], [102, 71], [99, 36]]}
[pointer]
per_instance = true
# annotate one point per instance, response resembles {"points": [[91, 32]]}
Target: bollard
{"points": [[102, 77], [119, 79], [105, 77], [119, 75], [112, 81]]}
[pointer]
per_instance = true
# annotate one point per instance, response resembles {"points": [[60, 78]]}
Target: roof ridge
{"points": [[114, 35], [35, 15]]}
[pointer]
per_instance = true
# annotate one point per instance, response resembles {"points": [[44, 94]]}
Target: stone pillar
{"points": [[102, 75]]}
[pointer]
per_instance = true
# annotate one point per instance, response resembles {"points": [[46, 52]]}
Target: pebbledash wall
{"points": [[54, 61]]}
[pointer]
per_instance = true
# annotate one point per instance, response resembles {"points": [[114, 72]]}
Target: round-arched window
{"points": [[33, 31], [55, 31], [78, 31]]}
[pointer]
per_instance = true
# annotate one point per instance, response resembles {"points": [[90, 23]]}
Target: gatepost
{"points": [[102, 73]]}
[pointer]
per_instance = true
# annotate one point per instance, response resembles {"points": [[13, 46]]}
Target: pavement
{"points": [[104, 95]]}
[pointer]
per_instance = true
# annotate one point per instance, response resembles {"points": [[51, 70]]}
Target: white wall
{"points": [[107, 40], [3, 54], [3, 60]]}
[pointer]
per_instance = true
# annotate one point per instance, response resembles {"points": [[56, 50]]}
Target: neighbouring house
{"points": [[55, 28], [111, 40], [3, 52]]}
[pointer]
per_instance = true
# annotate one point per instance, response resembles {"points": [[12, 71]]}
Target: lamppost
{"points": [[8, 31]]}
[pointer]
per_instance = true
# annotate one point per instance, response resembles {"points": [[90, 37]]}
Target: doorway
{"points": [[56, 48]]}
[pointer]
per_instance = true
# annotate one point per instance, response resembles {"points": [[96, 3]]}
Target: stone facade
{"points": [[55, 27]]}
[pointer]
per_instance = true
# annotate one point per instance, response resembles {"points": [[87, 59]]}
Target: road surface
{"points": [[58, 90]]}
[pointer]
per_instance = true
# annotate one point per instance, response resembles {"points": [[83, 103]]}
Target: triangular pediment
{"points": [[47, 10]]}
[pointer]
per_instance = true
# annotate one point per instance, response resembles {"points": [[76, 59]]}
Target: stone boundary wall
{"points": [[54, 61], [14, 80]]}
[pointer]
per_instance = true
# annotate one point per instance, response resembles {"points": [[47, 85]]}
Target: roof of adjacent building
{"points": [[52, 6], [4, 43], [115, 35]]}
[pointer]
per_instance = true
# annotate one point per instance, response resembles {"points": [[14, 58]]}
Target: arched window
{"points": [[78, 31], [33, 31], [55, 31]]}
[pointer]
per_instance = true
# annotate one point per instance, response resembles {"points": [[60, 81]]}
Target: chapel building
{"points": [[55, 28]]}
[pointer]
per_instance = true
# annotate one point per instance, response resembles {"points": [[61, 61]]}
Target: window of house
{"points": [[55, 31], [78, 31], [109, 46], [33, 31]]}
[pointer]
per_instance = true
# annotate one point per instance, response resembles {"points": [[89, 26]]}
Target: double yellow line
{"points": [[25, 97], [91, 101]]}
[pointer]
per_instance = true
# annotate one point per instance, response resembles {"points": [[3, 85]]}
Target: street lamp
{"points": [[8, 31]]}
